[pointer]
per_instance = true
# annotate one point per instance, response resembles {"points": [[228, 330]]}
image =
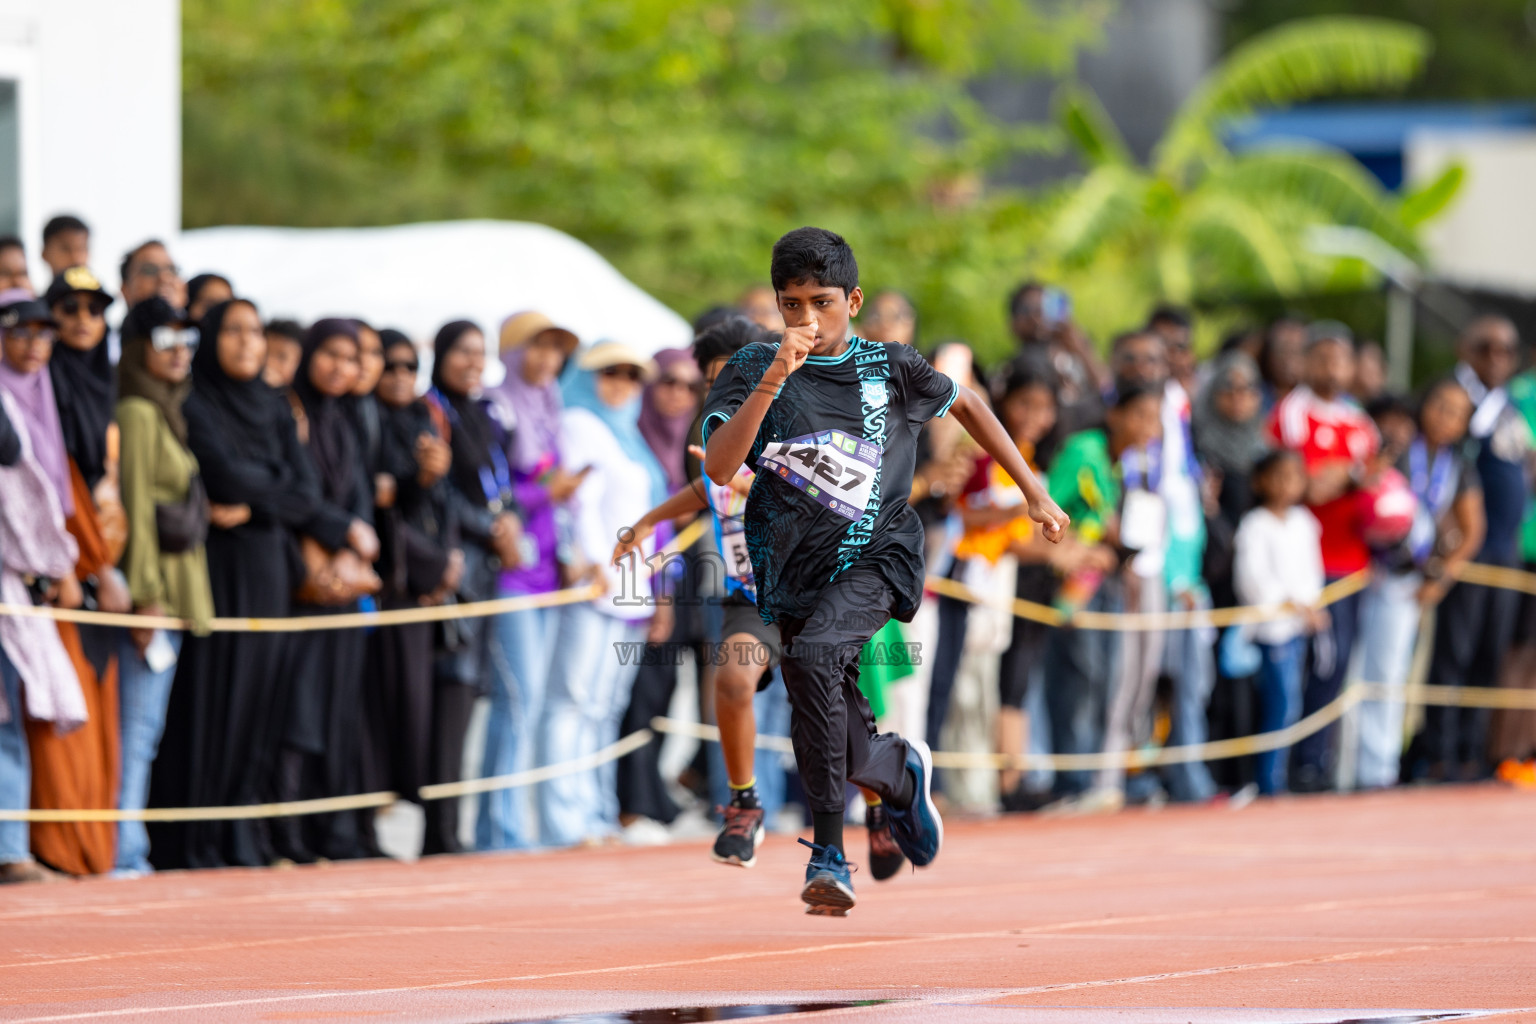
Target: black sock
{"points": [[903, 799], [827, 828], [745, 798]]}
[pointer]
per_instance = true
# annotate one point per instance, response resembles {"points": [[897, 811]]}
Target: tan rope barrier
{"points": [[326, 805], [612, 752], [350, 620], [1214, 750], [1135, 621]]}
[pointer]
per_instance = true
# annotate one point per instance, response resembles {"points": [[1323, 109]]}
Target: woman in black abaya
{"points": [[490, 533], [322, 742], [420, 563], [226, 713]]}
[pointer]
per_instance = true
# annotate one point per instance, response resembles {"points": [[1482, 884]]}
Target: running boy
{"points": [[832, 420], [746, 636]]}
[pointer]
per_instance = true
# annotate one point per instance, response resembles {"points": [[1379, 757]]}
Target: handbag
{"points": [[183, 525], [333, 579]]}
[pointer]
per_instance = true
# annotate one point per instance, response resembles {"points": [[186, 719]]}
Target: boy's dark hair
{"points": [[131, 254], [813, 254], [1169, 314], [1017, 296], [290, 329], [11, 242], [1267, 463], [63, 224], [726, 338]]}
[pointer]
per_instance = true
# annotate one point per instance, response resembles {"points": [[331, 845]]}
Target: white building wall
{"points": [[1487, 238], [99, 86]]}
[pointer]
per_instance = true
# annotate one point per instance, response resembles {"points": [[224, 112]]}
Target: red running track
{"points": [[1300, 911]]}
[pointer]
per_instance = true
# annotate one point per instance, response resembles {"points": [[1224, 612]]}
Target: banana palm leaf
{"points": [[1236, 247], [1296, 61], [1430, 200], [1329, 182], [1107, 202], [1083, 117]]}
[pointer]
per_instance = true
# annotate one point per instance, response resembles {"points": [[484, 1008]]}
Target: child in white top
{"points": [[1279, 560]]}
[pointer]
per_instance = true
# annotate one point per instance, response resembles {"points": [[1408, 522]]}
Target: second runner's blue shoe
{"points": [[828, 885], [919, 830]]}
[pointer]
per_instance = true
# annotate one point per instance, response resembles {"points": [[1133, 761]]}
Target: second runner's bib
{"points": [[835, 468]]}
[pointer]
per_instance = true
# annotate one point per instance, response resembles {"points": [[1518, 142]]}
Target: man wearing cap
{"points": [[1336, 440]]}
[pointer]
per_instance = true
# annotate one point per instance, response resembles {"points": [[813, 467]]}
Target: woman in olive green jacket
{"points": [[164, 561]]}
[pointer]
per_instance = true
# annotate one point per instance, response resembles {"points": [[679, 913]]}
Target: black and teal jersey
{"points": [[834, 459]]}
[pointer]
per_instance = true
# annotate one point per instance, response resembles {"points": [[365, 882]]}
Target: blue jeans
{"points": [[521, 644], [771, 708], [1079, 664], [1189, 660], [1315, 754], [589, 684], [143, 695], [15, 769], [1279, 706], [1389, 624]]}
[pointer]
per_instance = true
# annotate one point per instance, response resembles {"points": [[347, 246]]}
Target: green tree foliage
{"points": [[678, 137], [1484, 49], [1204, 225]]}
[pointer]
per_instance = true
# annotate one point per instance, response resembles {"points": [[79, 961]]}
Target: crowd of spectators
{"points": [[200, 461]]}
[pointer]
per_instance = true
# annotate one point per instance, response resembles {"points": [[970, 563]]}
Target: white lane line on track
{"points": [[382, 931], [727, 957], [566, 923], [838, 947]]}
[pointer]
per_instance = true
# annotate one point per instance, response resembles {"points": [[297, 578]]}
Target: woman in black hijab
{"points": [[420, 564], [83, 382], [322, 753], [490, 533], [225, 720]]}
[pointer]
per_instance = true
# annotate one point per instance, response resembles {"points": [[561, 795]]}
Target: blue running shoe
{"points": [[828, 886], [919, 830]]}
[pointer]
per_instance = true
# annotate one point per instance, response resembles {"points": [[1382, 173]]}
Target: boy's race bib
{"points": [[835, 468]]}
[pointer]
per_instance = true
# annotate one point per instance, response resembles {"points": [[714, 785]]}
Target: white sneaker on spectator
{"points": [[646, 832]]}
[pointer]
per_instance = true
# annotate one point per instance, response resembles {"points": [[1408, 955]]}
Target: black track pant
{"points": [[830, 723]]}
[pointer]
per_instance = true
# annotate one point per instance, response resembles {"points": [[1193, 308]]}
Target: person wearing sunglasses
{"points": [[166, 560], [81, 369], [589, 684]]}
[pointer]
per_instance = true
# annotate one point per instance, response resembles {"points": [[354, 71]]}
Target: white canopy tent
{"points": [[416, 277]]}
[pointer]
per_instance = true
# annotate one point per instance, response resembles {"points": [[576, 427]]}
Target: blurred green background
{"points": [[681, 138]]}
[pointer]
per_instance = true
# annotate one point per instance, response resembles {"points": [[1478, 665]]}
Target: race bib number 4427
{"points": [[835, 468]]}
